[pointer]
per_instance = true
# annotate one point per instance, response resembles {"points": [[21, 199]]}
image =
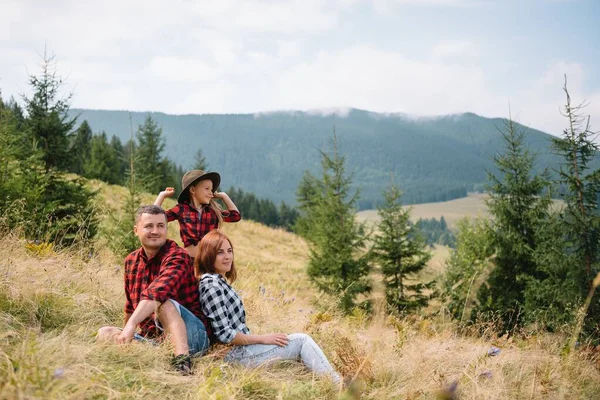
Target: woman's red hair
{"points": [[207, 254]]}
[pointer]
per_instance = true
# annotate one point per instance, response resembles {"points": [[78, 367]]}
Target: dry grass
{"points": [[52, 304]]}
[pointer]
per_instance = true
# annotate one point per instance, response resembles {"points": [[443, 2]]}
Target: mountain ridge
{"points": [[432, 158]]}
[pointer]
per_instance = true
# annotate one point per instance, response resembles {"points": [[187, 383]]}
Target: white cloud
{"points": [[287, 49], [448, 48], [207, 98], [368, 78], [174, 69], [341, 112], [12, 13], [383, 6]]}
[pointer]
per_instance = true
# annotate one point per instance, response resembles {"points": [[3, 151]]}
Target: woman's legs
{"points": [[301, 347]]}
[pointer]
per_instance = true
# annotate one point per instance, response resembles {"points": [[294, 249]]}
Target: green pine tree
{"points": [[149, 160], [578, 149], [81, 148], [48, 121], [12, 150], [519, 205], [119, 169], [400, 251], [571, 256], [103, 162], [339, 263], [44, 203]]}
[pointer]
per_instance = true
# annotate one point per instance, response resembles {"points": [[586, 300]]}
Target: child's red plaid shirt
{"points": [[193, 224]]}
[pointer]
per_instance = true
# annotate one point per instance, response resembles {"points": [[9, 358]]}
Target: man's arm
{"points": [[127, 316], [143, 310], [172, 273]]}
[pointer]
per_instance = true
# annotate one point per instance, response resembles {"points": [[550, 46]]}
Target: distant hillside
{"points": [[433, 159]]}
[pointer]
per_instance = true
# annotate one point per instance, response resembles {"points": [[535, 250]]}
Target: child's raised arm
{"points": [[228, 202], [168, 192]]}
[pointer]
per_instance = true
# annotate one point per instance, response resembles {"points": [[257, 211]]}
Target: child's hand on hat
{"points": [[219, 195], [168, 192]]}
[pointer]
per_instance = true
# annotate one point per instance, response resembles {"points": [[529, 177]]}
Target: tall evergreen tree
{"points": [[400, 251], [339, 264], [578, 149], [518, 205], [149, 160], [53, 208], [81, 148], [103, 162], [12, 150], [580, 219], [122, 163], [48, 121]]}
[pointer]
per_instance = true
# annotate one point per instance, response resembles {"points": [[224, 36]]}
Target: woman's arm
{"points": [[168, 192], [241, 339]]}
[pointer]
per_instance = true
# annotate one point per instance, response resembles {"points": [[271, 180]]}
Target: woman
{"points": [[224, 308]]}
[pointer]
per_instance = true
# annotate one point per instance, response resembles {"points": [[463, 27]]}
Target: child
{"points": [[197, 212]]}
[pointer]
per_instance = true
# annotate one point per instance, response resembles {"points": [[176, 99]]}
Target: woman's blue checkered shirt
{"points": [[223, 307]]}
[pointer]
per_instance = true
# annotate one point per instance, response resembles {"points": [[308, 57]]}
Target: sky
{"points": [[419, 57]]}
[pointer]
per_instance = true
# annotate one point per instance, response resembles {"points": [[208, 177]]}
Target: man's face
{"points": [[152, 231]]}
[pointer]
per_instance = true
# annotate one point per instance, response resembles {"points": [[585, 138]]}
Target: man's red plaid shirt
{"points": [[167, 275], [194, 224]]}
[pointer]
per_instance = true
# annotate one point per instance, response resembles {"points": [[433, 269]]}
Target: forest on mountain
{"points": [[434, 158]]}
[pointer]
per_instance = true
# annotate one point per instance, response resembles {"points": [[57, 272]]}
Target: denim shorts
{"points": [[196, 331]]}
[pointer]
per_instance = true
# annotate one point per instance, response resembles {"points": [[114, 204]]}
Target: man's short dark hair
{"points": [[152, 210]]}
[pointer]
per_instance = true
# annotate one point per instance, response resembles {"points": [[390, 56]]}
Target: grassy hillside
{"points": [[51, 305]]}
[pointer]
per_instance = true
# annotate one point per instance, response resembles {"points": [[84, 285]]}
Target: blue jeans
{"points": [[301, 347], [196, 331]]}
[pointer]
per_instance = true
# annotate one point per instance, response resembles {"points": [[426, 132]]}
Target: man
{"points": [[161, 292]]}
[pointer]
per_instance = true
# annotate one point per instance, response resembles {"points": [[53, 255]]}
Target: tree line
{"points": [[436, 231]]}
